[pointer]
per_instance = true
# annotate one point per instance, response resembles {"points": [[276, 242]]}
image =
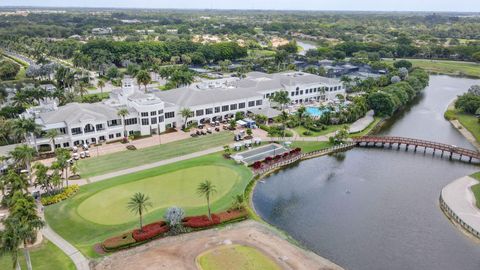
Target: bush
{"points": [[307, 133], [150, 231], [450, 115], [131, 147], [123, 241], [201, 221], [232, 215], [65, 194]]}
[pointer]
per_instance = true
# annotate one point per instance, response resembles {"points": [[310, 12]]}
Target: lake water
{"points": [[379, 209], [306, 45]]}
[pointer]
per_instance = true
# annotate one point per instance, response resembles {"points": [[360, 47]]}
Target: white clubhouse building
{"points": [[157, 111]]}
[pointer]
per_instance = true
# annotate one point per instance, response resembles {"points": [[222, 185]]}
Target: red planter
{"points": [[201, 221], [150, 231]]}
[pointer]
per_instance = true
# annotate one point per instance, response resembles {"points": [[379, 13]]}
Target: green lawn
{"points": [[328, 130], [260, 53], [45, 257], [235, 257], [128, 159], [72, 221], [447, 67], [470, 122], [311, 146], [476, 189]]}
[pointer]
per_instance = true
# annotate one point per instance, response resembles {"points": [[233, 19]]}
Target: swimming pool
{"points": [[315, 111]]}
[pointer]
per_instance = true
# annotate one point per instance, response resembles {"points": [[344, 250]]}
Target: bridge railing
{"points": [[418, 142]]}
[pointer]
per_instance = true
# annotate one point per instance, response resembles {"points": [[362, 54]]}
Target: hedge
{"points": [[65, 194], [232, 215], [201, 221], [150, 231], [123, 241]]}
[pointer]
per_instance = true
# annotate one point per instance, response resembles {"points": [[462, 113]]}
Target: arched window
{"points": [[88, 128]]}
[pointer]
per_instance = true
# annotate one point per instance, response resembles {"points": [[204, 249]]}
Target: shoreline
{"points": [[461, 128]]}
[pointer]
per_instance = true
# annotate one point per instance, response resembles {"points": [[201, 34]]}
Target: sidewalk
{"points": [[459, 199]]}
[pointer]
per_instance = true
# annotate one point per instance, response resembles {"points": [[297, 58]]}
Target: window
{"points": [[153, 120], [113, 122], [144, 114], [118, 135], [292, 93], [131, 132], [101, 138], [63, 130], [76, 131], [66, 144], [199, 113], [153, 113], [145, 122], [259, 102], [251, 103], [301, 92], [160, 111], [110, 136], [233, 107], [217, 109], [131, 121], [241, 105], [160, 119], [169, 115], [225, 108], [99, 127], [209, 111]]}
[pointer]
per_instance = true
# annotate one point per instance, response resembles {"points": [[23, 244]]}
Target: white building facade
{"points": [[156, 111]]}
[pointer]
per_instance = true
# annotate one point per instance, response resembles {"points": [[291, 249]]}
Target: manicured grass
{"points": [[328, 130], [65, 217], [128, 159], [476, 189], [470, 122], [45, 257], [236, 257], [446, 67], [260, 53], [311, 146], [107, 207]]}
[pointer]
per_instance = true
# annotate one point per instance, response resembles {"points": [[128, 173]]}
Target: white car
{"points": [[87, 153], [82, 154], [76, 156]]}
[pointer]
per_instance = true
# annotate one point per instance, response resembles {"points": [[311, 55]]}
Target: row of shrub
{"points": [[276, 131], [65, 194], [159, 229]]}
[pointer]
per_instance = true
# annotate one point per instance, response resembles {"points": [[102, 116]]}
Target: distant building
{"points": [[102, 31]]}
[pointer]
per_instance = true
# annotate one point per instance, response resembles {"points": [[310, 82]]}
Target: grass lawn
{"points": [[446, 67], [235, 257], [97, 210], [311, 146], [260, 53], [470, 122], [45, 257], [476, 189], [328, 130], [128, 159]]}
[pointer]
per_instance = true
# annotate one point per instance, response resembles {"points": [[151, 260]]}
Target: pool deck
{"points": [[362, 123]]}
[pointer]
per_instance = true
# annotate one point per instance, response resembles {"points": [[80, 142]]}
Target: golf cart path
{"points": [[102, 177]]}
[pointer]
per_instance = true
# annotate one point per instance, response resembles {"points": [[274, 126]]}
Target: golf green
{"points": [[108, 207]]}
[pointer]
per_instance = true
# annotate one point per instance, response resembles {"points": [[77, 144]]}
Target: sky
{"points": [[362, 5]]}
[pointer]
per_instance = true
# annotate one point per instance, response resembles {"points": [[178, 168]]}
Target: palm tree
{"points": [[52, 134], [24, 154], [26, 127], [281, 98], [139, 204], [143, 77], [122, 113], [81, 89], [10, 241], [207, 189], [283, 118], [24, 211], [100, 85], [185, 112]]}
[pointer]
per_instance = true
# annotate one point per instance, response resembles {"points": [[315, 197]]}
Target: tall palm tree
{"points": [[10, 241], [281, 98], [52, 134], [24, 155], [143, 77], [24, 211], [186, 113], [100, 85], [283, 118], [207, 189], [138, 204], [123, 113], [81, 89], [26, 127]]}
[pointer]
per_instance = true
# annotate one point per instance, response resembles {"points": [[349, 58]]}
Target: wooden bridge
{"points": [[442, 148]]}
